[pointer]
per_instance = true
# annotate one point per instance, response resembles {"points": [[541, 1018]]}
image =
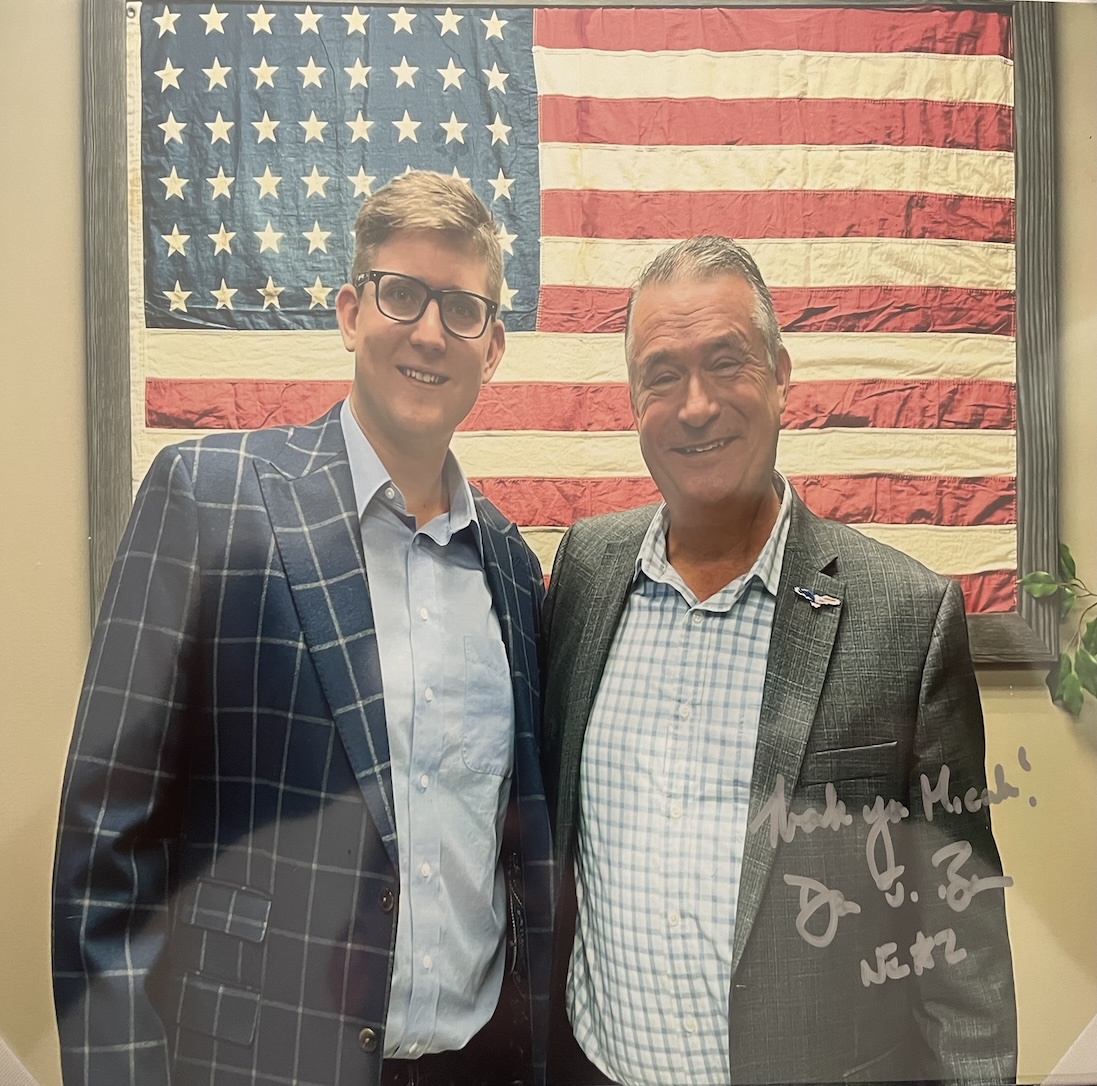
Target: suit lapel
{"points": [[799, 654], [315, 522]]}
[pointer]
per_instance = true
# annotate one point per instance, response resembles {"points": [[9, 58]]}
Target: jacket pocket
{"points": [[228, 909], [218, 1010], [848, 763]]}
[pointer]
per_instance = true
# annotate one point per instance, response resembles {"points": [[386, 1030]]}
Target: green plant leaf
{"points": [[1089, 638], [1057, 676], [1085, 667], [1066, 601], [1039, 583], [1072, 695], [1067, 568]]}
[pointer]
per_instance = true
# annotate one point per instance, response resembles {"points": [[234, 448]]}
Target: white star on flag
{"points": [[453, 128], [401, 20], [264, 73], [407, 127], [359, 128], [308, 21], [496, 78], [361, 182], [176, 242], [501, 185], [169, 76], [222, 242], [506, 241], [172, 129], [270, 294], [405, 73], [498, 130], [223, 295], [265, 128], [268, 184], [356, 22], [457, 177], [214, 19], [451, 75], [494, 27], [220, 184], [506, 296], [314, 129], [311, 73], [268, 238], [449, 22], [317, 238], [216, 75], [260, 20], [166, 22], [174, 184], [219, 129], [178, 297], [358, 74], [315, 182], [319, 294]]}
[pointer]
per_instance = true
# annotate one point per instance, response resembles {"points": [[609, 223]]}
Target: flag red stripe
{"points": [[981, 126], [788, 213], [854, 499], [194, 403], [818, 309], [839, 30], [990, 593]]}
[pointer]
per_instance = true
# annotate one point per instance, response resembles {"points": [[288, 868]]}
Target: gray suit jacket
{"points": [[869, 695]]}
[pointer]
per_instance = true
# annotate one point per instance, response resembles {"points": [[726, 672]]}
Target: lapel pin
{"points": [[817, 599]]}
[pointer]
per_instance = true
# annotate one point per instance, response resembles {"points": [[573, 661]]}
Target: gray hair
{"points": [[708, 257], [424, 200]]}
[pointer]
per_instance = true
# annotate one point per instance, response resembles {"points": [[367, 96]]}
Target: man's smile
{"points": [[422, 376], [708, 446]]}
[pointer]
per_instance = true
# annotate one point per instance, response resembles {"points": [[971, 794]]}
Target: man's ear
{"points": [[496, 346], [783, 375], [346, 313]]}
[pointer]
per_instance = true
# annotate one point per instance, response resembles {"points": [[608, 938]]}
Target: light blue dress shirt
{"points": [[664, 793], [450, 712]]}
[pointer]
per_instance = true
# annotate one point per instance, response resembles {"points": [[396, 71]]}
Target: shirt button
{"points": [[424, 614], [428, 961], [424, 869], [675, 809], [424, 781], [690, 1024], [413, 1048], [387, 900], [698, 618], [390, 493], [683, 712], [367, 1039], [673, 918], [428, 694]]}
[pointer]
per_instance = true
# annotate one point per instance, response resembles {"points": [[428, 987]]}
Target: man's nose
{"points": [[699, 407], [428, 330]]}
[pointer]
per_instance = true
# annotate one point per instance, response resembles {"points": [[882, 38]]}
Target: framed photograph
{"points": [[890, 167]]}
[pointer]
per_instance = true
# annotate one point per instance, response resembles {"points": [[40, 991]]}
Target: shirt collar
{"points": [[370, 478], [652, 557]]}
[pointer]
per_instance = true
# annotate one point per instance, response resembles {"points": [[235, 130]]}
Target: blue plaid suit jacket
{"points": [[226, 871]]}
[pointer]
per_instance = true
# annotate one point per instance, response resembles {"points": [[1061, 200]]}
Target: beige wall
{"points": [[1050, 850]]}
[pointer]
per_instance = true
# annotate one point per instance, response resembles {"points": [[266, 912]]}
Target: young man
{"points": [[303, 835], [717, 666]]}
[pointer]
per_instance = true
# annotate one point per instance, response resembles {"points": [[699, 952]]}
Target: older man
{"points": [[749, 715], [303, 827]]}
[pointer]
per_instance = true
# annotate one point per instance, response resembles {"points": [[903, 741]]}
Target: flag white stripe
{"points": [[616, 167], [702, 73], [793, 262], [582, 359], [964, 453], [953, 551]]}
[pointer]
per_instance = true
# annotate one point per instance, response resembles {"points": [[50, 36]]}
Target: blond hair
{"points": [[422, 200]]}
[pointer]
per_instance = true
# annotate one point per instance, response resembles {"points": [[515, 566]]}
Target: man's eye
{"points": [[662, 380]]}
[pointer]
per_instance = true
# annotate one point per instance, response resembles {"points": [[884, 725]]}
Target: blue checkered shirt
{"points": [[664, 793]]}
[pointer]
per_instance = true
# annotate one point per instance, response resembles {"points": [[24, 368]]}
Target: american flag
{"points": [[865, 157]]}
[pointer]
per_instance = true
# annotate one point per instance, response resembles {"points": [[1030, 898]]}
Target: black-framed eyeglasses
{"points": [[404, 299]]}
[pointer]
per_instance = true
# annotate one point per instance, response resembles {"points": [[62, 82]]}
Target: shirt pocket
{"points": [[487, 735]]}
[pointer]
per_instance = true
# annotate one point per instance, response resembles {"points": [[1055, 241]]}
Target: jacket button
{"points": [[368, 1039], [388, 900]]}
